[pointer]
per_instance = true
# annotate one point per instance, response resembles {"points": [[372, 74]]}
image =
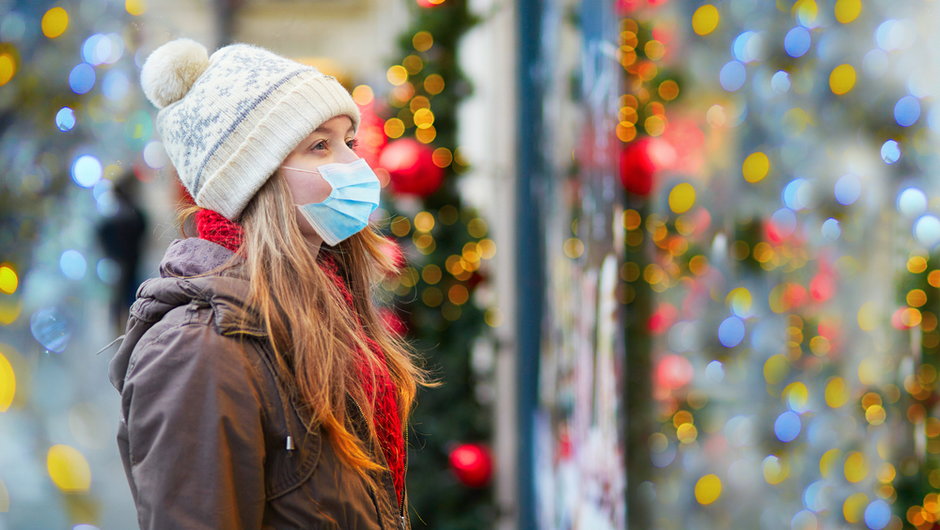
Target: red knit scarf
{"points": [[212, 226]]}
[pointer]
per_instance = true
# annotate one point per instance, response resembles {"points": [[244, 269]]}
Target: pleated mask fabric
{"points": [[345, 212]]}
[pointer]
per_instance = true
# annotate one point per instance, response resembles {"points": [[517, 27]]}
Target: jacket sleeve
{"points": [[195, 439]]}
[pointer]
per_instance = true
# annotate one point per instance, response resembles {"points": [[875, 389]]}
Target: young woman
{"points": [[259, 386]]}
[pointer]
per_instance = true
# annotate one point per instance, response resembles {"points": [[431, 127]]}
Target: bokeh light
{"points": [[65, 119], [681, 198], [847, 11], [731, 332], [135, 7], [877, 514], [755, 167], [797, 42], [831, 230], [7, 383], [890, 152], [86, 171], [842, 79], [733, 75], [927, 230], [907, 111], [912, 202], [747, 47], [115, 85], [708, 489], [780, 82], [787, 426], [73, 265], [68, 468], [7, 68], [9, 280], [848, 189], [51, 328], [82, 78], [705, 19], [55, 22]]}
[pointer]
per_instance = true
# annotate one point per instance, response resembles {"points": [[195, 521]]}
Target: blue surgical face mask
{"points": [[346, 211]]}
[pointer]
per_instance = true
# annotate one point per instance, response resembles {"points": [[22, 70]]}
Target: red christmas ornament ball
{"points": [[411, 167], [637, 167], [472, 464]]}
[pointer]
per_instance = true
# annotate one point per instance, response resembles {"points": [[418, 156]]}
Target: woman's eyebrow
{"points": [[322, 129]]}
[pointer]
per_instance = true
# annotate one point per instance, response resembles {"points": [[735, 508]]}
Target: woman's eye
{"points": [[353, 144], [319, 145]]}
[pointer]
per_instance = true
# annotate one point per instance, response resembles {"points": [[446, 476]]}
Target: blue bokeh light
{"points": [[96, 49], [927, 230], [715, 371], [82, 78], [73, 264], [912, 202], [848, 189], [907, 111], [732, 76], [780, 82], [115, 85], [787, 427], [108, 271], [803, 520], [784, 220], [890, 152], [86, 171], [51, 328], [797, 42], [65, 119], [813, 497], [731, 332], [747, 47], [877, 514], [831, 229], [792, 197]]}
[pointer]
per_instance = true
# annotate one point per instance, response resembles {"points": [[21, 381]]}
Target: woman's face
{"points": [[332, 142]]}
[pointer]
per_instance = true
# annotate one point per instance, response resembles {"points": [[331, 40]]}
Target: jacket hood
{"points": [[187, 276]]}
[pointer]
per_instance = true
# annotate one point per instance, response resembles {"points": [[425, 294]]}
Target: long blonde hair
{"points": [[312, 330]]}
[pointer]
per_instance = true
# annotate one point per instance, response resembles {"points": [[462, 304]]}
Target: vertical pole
{"points": [[529, 252], [226, 12]]}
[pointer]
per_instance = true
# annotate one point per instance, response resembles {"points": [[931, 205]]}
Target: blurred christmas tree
{"points": [[444, 245]]}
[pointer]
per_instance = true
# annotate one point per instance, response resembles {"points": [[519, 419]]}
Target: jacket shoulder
{"points": [[186, 345]]}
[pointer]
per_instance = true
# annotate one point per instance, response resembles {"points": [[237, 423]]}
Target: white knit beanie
{"points": [[228, 121]]}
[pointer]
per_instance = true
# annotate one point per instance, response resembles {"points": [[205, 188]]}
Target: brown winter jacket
{"points": [[208, 436]]}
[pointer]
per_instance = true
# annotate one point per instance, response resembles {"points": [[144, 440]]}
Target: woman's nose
{"points": [[347, 155]]}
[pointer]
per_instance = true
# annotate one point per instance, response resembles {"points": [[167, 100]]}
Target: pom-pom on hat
{"points": [[228, 120]]}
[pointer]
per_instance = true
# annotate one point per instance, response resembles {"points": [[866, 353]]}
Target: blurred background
{"points": [[675, 261]]}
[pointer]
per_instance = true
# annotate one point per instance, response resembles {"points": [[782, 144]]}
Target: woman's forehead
{"points": [[336, 124]]}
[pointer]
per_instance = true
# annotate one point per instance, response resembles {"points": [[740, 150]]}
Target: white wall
{"points": [[487, 138]]}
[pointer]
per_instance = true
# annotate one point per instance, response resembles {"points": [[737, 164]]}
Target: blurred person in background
{"points": [[121, 234], [259, 386]]}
